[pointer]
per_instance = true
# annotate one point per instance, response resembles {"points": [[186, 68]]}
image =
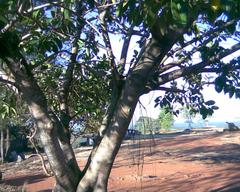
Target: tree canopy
{"points": [[147, 125], [59, 57], [166, 119]]}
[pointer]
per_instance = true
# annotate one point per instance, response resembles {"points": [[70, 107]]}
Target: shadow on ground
{"points": [[228, 179], [222, 160], [225, 153], [24, 179]]}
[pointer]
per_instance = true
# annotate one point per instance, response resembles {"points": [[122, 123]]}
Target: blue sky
{"points": [[229, 109]]}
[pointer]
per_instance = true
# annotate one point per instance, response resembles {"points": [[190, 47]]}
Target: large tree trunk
{"points": [[67, 177], [96, 176], [65, 144]]}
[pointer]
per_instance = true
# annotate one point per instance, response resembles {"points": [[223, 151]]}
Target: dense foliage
{"points": [[166, 119], [52, 39], [147, 125]]}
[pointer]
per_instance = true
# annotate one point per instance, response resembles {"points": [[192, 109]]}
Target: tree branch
{"points": [[49, 58], [211, 33], [66, 82], [5, 81], [125, 47], [10, 82], [166, 89], [103, 6], [111, 57], [195, 68], [42, 6], [170, 66], [186, 56], [8, 26], [218, 70]]}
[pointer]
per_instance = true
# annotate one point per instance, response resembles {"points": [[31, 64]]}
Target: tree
{"points": [[147, 125], [59, 57], [7, 111], [188, 115], [166, 119]]}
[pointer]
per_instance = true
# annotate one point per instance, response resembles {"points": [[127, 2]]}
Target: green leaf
{"points": [[3, 19], [183, 18], [80, 43], [88, 52], [58, 42], [237, 93], [119, 10], [231, 91], [215, 5], [210, 102], [204, 112], [53, 46], [179, 12], [218, 88], [91, 3], [66, 14], [215, 107], [220, 83], [36, 13]]}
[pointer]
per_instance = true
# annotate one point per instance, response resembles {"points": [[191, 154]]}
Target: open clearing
{"points": [[200, 162]]}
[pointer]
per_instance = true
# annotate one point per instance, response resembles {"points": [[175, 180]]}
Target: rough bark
{"points": [[96, 177], [64, 141], [66, 178]]}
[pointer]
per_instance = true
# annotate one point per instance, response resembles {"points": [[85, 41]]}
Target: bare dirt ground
{"points": [[180, 163]]}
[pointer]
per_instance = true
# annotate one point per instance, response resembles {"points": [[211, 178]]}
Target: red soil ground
{"points": [[198, 163]]}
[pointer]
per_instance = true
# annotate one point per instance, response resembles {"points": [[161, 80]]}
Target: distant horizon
{"points": [[219, 124], [181, 125], [227, 111]]}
